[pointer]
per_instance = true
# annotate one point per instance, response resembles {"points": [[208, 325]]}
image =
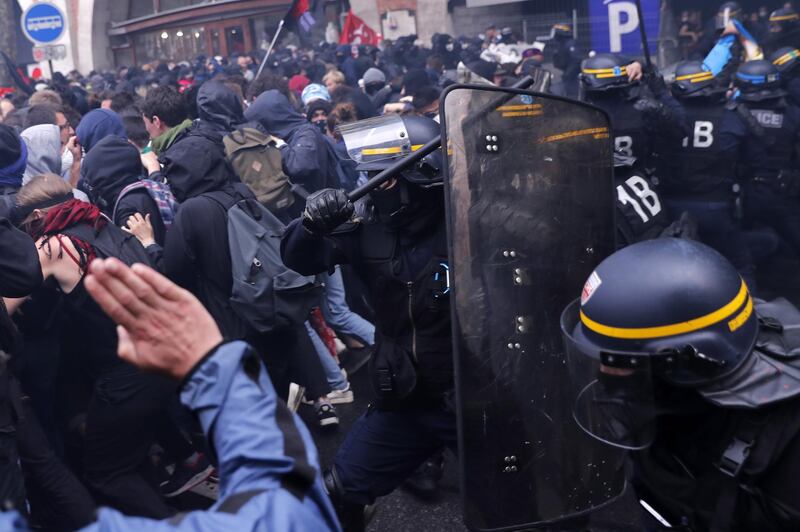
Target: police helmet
{"points": [[377, 143], [562, 29], [692, 79], [758, 80], [604, 72], [728, 12], [783, 20], [675, 305], [785, 59]]}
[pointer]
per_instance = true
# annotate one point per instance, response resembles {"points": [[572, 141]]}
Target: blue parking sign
{"points": [[615, 25], [43, 23]]}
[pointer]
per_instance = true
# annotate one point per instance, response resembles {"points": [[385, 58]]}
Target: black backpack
{"points": [[111, 241]]}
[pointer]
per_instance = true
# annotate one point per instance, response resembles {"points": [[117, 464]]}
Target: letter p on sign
{"points": [[622, 19]]}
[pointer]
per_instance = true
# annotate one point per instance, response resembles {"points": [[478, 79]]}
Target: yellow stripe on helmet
{"points": [[781, 18], [644, 333], [785, 58], [602, 73], [696, 77], [388, 151]]}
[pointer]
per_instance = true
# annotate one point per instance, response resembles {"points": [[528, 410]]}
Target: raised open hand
{"points": [[161, 326]]}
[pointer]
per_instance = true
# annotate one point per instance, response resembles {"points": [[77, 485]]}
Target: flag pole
{"points": [[269, 50]]}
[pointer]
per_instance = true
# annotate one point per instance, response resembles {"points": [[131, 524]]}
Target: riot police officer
{"points": [[644, 119], [398, 248], [770, 158], [784, 29], [672, 359], [566, 58], [701, 168], [786, 60]]}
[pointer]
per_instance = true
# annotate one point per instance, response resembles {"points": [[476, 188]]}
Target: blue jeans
{"points": [[332, 372], [338, 314]]}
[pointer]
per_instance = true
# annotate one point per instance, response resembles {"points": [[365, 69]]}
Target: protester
{"points": [[166, 150]]}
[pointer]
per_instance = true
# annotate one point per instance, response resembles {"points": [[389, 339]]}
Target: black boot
{"points": [[424, 482], [351, 515]]}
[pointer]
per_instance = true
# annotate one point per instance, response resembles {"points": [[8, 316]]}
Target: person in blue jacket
{"points": [[269, 469]]}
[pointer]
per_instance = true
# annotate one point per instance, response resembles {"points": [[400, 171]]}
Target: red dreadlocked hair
{"points": [[69, 214]]}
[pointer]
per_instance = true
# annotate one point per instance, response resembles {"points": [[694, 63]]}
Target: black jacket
{"points": [[112, 165], [196, 254], [413, 334], [308, 159]]}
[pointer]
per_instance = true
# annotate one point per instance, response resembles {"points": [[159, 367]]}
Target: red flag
{"points": [[355, 31]]}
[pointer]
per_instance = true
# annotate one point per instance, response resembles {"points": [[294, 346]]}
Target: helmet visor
{"points": [[725, 17], [376, 139], [612, 392]]}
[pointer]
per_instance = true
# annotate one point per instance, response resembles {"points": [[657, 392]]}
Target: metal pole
{"points": [[269, 50], [575, 24], [50, 65], [643, 33], [407, 162]]}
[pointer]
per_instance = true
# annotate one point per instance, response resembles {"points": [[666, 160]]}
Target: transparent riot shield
{"points": [[530, 212]]}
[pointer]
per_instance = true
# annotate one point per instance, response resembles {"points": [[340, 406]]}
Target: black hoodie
{"points": [[218, 107], [308, 157], [196, 254], [111, 165]]}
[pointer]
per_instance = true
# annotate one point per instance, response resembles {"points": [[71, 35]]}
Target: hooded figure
{"points": [[218, 107], [44, 151], [98, 124], [308, 157], [110, 167], [13, 160]]}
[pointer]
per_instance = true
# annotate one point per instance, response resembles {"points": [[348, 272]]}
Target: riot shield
{"points": [[530, 212]]}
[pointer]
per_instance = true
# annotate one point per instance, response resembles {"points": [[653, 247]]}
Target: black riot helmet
{"points": [[604, 72], [783, 21], [377, 143], [757, 81], [414, 201], [692, 79], [655, 316], [676, 302], [786, 60], [562, 30], [727, 12]]}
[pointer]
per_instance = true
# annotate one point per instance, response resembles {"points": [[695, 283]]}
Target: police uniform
{"points": [[399, 250], [701, 172], [676, 362], [566, 58], [642, 124], [770, 161]]}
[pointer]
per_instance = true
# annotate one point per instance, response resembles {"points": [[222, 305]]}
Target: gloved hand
{"points": [[326, 210], [655, 82], [648, 106]]}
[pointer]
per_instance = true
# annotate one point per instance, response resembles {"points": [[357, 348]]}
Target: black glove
{"points": [[655, 82], [326, 210]]}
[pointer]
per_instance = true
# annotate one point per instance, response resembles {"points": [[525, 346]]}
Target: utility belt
{"points": [[786, 182]]}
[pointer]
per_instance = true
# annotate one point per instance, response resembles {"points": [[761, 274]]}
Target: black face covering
{"points": [[408, 207], [322, 125]]}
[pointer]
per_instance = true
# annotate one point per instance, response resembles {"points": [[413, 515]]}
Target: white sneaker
{"points": [[339, 397]]}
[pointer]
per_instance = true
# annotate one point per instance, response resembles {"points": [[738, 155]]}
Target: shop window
{"points": [[234, 38]]}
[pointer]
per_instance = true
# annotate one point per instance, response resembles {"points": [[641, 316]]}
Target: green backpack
{"points": [[256, 159]]}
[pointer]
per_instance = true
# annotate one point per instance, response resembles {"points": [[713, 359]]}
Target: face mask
{"points": [[388, 203], [431, 114], [322, 125]]}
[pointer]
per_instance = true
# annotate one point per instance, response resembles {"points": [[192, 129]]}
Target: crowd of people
{"points": [[263, 281]]}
